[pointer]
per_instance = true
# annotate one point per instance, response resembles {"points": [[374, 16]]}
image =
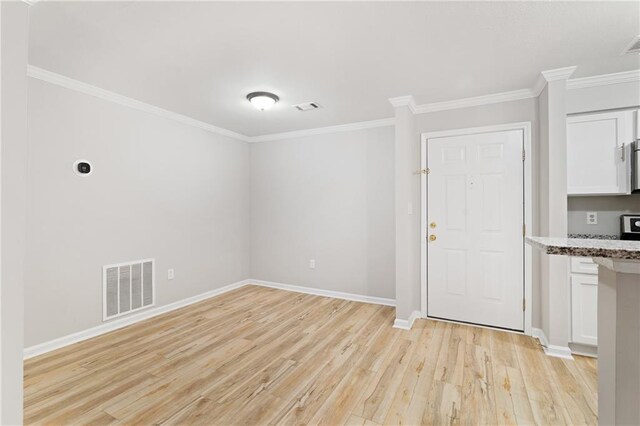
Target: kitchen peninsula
{"points": [[618, 321]]}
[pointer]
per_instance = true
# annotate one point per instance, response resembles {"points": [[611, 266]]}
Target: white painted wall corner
{"points": [[408, 323], [551, 350]]}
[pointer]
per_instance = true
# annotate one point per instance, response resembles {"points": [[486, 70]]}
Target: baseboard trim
{"points": [[121, 322], [584, 350], [551, 350], [327, 293], [408, 323]]}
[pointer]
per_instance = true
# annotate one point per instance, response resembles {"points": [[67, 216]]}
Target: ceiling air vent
{"points": [[307, 106], [633, 47]]}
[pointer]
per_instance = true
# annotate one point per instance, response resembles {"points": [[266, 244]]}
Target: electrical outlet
{"points": [[592, 218], [170, 274], [312, 264]]}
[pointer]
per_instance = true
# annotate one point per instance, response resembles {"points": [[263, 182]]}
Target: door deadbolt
{"points": [[432, 225]]}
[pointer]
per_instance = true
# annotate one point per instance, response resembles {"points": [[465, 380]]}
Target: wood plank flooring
{"points": [[258, 356]]}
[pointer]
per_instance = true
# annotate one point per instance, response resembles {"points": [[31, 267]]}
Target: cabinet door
{"points": [[584, 309], [597, 156]]}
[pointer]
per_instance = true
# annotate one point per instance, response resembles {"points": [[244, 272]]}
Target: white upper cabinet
{"points": [[598, 153]]}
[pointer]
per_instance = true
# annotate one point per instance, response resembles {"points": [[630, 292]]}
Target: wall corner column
{"points": [[407, 212], [554, 270], [14, 16]]}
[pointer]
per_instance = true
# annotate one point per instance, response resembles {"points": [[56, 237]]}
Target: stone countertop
{"points": [[612, 249], [594, 236]]}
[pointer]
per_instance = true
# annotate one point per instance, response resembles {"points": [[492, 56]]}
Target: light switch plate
{"points": [[312, 264], [592, 218], [170, 274]]}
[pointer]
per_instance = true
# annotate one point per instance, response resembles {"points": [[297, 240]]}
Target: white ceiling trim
{"points": [[551, 75], [401, 101], [604, 80], [558, 73], [69, 83], [324, 130], [495, 98]]}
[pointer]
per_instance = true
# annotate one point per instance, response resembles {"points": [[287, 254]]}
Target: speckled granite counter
{"points": [[594, 236], [612, 249]]}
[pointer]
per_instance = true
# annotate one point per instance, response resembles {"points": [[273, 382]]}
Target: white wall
{"points": [[486, 115], [328, 198], [13, 140], [159, 189]]}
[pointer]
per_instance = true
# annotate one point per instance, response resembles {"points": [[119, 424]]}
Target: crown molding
{"points": [[323, 130], [539, 85], [30, 2], [558, 73], [69, 83], [401, 101], [495, 98], [604, 80]]}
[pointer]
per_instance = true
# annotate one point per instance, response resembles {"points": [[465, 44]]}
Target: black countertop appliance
{"points": [[630, 227]]}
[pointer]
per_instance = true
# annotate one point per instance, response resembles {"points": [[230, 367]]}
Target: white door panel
{"points": [[475, 199]]}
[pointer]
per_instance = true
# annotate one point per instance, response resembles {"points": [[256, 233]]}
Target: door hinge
{"points": [[422, 171], [524, 155], [524, 230], [524, 305]]}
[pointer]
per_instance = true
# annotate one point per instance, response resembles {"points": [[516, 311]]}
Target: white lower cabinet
{"points": [[584, 301]]}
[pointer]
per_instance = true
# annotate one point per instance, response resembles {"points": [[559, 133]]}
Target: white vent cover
{"points": [[633, 47], [127, 287], [307, 106]]}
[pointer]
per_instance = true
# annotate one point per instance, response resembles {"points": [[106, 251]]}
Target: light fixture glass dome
{"points": [[262, 100]]}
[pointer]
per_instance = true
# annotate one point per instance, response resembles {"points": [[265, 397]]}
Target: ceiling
{"points": [[200, 59]]}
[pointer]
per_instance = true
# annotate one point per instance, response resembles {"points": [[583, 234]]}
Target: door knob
{"points": [[432, 237]]}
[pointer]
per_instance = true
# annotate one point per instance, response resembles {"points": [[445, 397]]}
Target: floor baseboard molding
{"points": [[408, 323], [584, 350], [326, 293], [121, 322], [551, 350]]}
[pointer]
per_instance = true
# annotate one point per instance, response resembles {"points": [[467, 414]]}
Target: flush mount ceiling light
{"points": [[262, 100]]}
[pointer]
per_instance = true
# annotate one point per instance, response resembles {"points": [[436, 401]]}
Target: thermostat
{"points": [[82, 167]]}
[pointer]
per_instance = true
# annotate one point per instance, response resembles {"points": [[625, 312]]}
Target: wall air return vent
{"points": [[127, 287], [307, 106], [633, 47]]}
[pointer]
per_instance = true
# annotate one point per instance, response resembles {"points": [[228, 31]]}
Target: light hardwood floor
{"points": [[263, 356]]}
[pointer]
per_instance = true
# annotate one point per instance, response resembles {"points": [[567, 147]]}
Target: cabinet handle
{"points": [[622, 154]]}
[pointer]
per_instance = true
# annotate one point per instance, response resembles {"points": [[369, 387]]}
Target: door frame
{"points": [[528, 210]]}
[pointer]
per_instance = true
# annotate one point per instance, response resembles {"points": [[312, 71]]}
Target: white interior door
{"points": [[475, 217]]}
